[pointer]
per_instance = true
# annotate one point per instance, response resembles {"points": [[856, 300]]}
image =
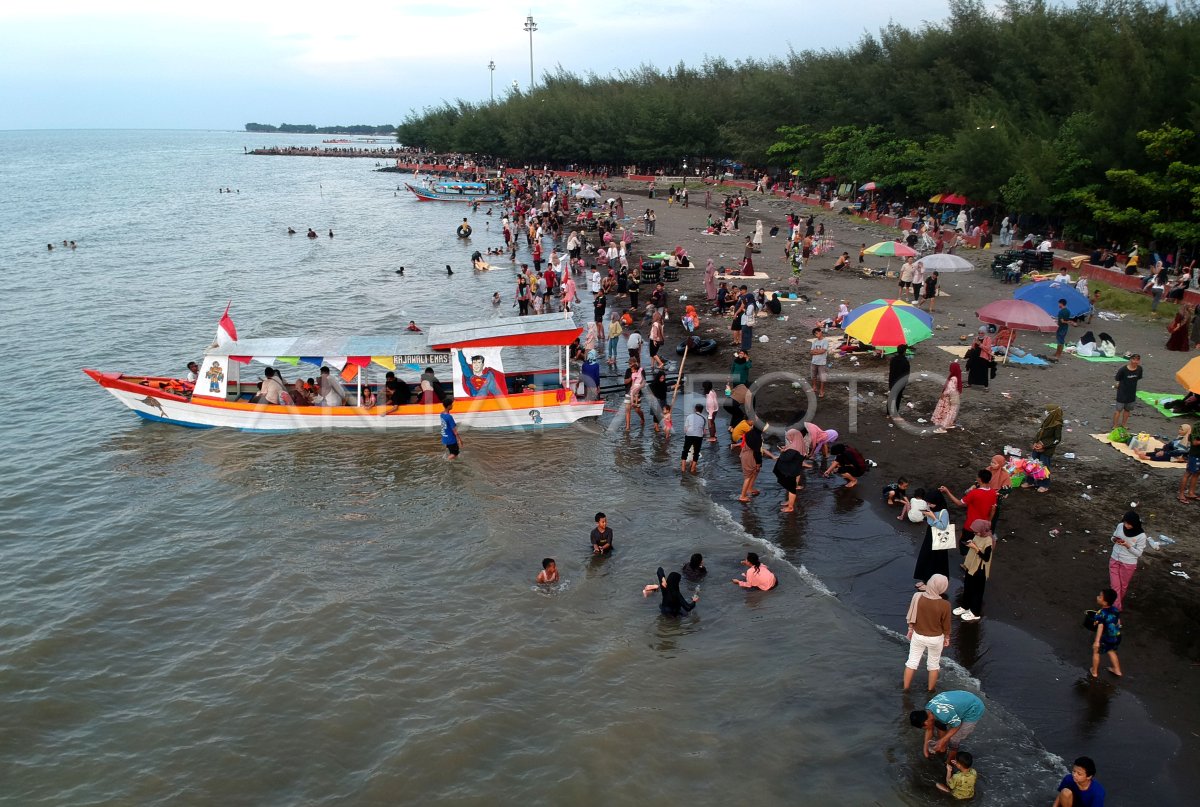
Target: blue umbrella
{"points": [[1045, 294]]}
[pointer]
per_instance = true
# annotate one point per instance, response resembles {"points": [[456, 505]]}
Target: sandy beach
{"points": [[1053, 551]]}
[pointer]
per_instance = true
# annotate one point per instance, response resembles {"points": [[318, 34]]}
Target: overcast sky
{"points": [[216, 64]]}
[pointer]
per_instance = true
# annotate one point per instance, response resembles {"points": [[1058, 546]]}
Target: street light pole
{"points": [[530, 26], [492, 79]]}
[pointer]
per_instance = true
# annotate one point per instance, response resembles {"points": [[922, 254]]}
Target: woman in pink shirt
{"points": [[757, 574], [817, 439]]}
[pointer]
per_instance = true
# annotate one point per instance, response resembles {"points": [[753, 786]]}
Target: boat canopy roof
{"points": [[405, 347], [531, 331]]}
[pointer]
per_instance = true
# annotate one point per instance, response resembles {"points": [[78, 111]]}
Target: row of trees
{"points": [[1061, 112], [308, 128]]}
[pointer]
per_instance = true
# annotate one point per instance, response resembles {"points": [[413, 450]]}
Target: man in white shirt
{"points": [[594, 282], [693, 437], [1045, 246], [634, 343], [820, 361]]}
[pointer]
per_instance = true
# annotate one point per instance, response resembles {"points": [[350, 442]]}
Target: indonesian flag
{"points": [[226, 333]]}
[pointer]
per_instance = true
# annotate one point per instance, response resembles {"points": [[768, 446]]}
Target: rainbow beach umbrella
{"points": [[891, 249], [888, 323]]}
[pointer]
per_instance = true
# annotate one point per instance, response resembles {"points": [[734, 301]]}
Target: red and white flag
{"points": [[226, 333]]}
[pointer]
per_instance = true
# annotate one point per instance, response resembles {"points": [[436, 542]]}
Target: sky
{"points": [[218, 64]]}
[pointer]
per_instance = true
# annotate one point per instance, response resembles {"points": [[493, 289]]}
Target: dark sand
{"points": [[1030, 649]]}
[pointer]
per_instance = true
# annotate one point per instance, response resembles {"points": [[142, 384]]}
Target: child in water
{"points": [[666, 421], [960, 777], [549, 573]]}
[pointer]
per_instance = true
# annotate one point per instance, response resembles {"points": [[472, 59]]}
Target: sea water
{"points": [[219, 617]]}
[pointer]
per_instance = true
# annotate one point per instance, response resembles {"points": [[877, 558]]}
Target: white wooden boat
{"points": [[466, 359]]}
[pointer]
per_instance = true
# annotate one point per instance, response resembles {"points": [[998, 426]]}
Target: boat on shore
{"points": [[454, 195], [467, 364]]}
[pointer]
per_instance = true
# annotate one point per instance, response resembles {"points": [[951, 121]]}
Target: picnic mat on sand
{"points": [[1091, 358], [1158, 401], [757, 276], [955, 350], [1128, 452]]}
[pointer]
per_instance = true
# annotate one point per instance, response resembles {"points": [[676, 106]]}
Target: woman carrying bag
{"points": [[977, 565]]}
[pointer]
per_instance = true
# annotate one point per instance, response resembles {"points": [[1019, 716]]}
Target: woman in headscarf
{"points": [[1047, 440], [978, 367], [710, 281], [751, 455], [1180, 329], [928, 629], [691, 318], [590, 338], [929, 560], [1001, 483], [758, 233], [1129, 542], [978, 566], [946, 411], [1172, 450], [656, 340], [673, 602], [848, 463], [693, 570], [789, 468], [816, 440]]}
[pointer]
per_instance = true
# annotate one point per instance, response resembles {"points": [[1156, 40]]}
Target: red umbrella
{"points": [[1016, 315], [954, 199]]}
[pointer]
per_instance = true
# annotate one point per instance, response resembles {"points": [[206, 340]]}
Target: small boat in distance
{"points": [[454, 195], [466, 359]]}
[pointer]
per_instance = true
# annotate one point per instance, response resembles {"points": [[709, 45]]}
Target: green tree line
{"points": [[308, 128], [1028, 107]]}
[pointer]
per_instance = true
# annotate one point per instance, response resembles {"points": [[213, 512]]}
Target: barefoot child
{"points": [[896, 493], [549, 572], [666, 422], [1108, 633], [960, 777]]}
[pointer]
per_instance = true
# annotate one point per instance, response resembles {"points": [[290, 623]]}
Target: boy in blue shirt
{"points": [[449, 429], [1079, 788], [1108, 633]]}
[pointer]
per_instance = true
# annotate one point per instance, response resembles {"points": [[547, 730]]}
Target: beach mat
{"points": [[757, 276], [955, 350], [1029, 360], [1128, 452], [1158, 401], [1091, 358]]}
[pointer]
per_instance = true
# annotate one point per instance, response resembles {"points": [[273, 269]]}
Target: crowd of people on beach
{"points": [[581, 252]]}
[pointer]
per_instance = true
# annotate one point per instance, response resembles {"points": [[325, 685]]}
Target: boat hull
{"points": [[148, 400], [426, 195]]}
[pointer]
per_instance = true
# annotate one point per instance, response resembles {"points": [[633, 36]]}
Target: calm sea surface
{"points": [[194, 617]]}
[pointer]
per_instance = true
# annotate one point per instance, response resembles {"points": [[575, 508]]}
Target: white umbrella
{"points": [[943, 263], [586, 192]]}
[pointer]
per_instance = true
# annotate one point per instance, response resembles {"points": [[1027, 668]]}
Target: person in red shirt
{"points": [[980, 501]]}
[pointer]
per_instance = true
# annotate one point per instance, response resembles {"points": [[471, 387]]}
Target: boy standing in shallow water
{"points": [[449, 429]]}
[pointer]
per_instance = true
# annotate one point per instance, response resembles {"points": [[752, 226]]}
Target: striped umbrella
{"points": [[887, 323]]}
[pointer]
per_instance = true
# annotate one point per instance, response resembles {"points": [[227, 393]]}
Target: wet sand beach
{"points": [[1030, 642]]}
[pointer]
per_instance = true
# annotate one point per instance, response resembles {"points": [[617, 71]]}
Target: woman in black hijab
{"points": [[673, 602]]}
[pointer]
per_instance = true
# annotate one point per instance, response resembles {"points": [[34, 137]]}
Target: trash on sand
{"points": [[1084, 495], [1053, 533], [1133, 504], [1162, 539], [921, 420], [1070, 455], [1180, 573]]}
